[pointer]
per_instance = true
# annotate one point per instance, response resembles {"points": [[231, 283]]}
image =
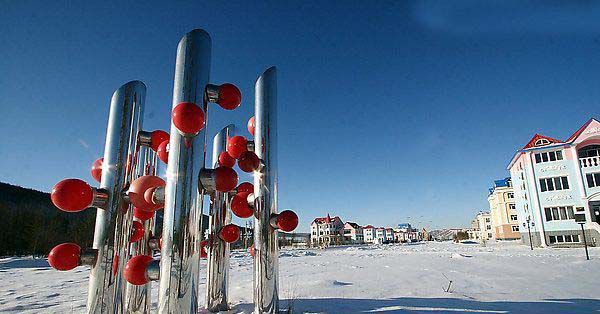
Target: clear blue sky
{"points": [[388, 109]]}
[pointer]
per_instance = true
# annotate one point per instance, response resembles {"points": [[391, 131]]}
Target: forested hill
{"points": [[31, 225]]}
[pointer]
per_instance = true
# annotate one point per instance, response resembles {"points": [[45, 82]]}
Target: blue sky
{"points": [[388, 109]]}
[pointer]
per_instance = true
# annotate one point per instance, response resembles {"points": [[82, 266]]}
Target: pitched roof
{"points": [[327, 219], [353, 224], [580, 130], [537, 137]]}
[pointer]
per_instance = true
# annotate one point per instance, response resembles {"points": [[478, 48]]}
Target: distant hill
{"points": [[31, 225]]}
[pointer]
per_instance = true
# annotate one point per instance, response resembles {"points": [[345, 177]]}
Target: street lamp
{"points": [[529, 225]]}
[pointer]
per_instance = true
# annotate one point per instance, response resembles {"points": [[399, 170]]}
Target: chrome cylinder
{"points": [[138, 298], [179, 265], [218, 252], [266, 299], [113, 224]]}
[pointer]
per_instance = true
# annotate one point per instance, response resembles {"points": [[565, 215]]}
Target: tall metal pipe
{"points": [[113, 224], [179, 262], [218, 252], [138, 298], [266, 299]]}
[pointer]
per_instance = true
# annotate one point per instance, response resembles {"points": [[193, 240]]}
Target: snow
{"points": [[408, 278]]}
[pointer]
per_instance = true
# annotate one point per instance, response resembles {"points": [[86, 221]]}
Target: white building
{"points": [[353, 233], [369, 234], [326, 231], [380, 235], [481, 227]]}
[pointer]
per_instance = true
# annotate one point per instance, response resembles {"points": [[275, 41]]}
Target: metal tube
{"points": [[138, 298], [218, 252], [113, 224], [181, 236], [266, 299]]}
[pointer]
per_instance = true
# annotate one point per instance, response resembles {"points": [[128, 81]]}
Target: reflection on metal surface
{"points": [[265, 193], [113, 223], [138, 298], [183, 202], [218, 252]]}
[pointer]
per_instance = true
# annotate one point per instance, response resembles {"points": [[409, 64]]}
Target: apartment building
{"points": [[505, 223]]}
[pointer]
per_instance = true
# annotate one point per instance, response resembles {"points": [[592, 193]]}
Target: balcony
{"points": [[588, 162]]}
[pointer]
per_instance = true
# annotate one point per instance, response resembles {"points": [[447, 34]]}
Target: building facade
{"points": [[369, 234], [505, 223], [481, 227], [327, 231], [353, 233], [556, 181]]}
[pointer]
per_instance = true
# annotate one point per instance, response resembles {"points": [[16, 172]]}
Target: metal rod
{"points": [[182, 223], [218, 252], [138, 298], [266, 298], [111, 236], [587, 255]]}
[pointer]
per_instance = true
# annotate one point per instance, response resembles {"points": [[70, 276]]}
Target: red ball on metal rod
{"points": [[236, 146], [157, 137], [248, 161], [72, 195], [287, 221], [163, 151], [230, 96], [229, 233], [137, 232], [226, 160], [142, 215], [138, 188], [188, 118], [65, 256], [239, 205], [245, 187], [135, 271], [97, 169], [226, 179], [251, 125]]}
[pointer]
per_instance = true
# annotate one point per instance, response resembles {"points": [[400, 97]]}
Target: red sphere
{"points": [[163, 151], [251, 125], [229, 233], [188, 118], [287, 221], [248, 161], [239, 205], [230, 96], [203, 249], [142, 215], [97, 169], [157, 137], [245, 187], [251, 250], [236, 146], [72, 195], [226, 160], [137, 231], [64, 256], [135, 270], [138, 188], [226, 179]]}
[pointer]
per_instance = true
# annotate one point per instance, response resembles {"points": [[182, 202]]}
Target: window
{"points": [[512, 206], [548, 156], [566, 238], [559, 213], [510, 195], [488, 227], [554, 184], [589, 151], [489, 235], [515, 228], [487, 220], [593, 179], [513, 217], [541, 142]]}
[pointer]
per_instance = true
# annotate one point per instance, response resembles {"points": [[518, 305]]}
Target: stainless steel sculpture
{"points": [[266, 298], [217, 266], [111, 236], [181, 236]]}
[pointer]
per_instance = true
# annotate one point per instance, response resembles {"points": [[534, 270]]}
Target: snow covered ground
{"points": [[498, 278]]}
